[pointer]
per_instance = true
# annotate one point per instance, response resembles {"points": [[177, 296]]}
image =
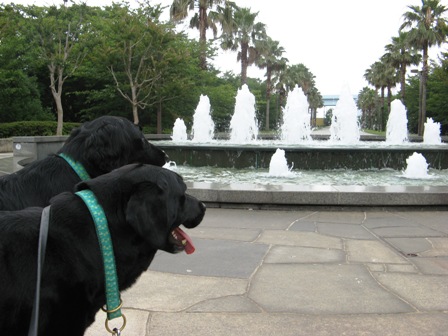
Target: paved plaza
{"points": [[300, 272]]}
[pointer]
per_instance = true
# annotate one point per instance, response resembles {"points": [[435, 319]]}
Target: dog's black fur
{"points": [[100, 145], [142, 203]]}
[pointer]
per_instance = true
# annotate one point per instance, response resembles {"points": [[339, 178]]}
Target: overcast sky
{"points": [[336, 39]]}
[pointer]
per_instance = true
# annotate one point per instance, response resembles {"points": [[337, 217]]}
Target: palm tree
{"points": [[375, 77], [367, 103], [202, 20], [240, 31], [400, 55], [427, 27], [315, 101], [270, 58]]}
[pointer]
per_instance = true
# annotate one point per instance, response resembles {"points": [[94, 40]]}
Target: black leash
{"points": [[43, 235]]}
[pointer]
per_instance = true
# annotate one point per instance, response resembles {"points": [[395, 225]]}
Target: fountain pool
{"points": [[333, 177]]}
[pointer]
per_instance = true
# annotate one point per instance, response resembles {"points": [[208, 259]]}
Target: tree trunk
{"points": [[244, 48], [57, 95], [403, 82], [380, 119], [159, 118], [268, 97], [423, 80], [135, 105], [203, 38]]}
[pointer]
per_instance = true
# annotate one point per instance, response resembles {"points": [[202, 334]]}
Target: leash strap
{"points": [[113, 301], [76, 166], [43, 235]]}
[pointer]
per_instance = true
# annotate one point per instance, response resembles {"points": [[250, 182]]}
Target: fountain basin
{"points": [[315, 156], [289, 196]]}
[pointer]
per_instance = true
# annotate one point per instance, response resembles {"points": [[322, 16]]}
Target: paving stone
{"points": [[439, 248], [229, 304], [304, 226], [213, 258], [410, 245], [367, 251], [166, 324], [405, 231], [304, 239], [321, 289], [293, 254], [344, 231], [156, 291], [426, 292], [346, 217], [401, 268], [251, 219], [247, 235], [437, 266]]}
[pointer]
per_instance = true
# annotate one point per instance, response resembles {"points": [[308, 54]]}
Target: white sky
{"points": [[336, 39]]}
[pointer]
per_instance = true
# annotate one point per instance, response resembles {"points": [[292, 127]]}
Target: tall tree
{"points": [[270, 58], [375, 76], [131, 43], [241, 32], [400, 55], [427, 27], [201, 20], [60, 35]]}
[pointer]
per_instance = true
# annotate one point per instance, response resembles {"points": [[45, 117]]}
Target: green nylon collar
{"points": [[113, 301], [76, 166]]}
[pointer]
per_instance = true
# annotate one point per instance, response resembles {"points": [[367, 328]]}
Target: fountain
{"points": [[339, 171], [203, 126], [431, 135], [397, 124], [243, 125], [344, 122], [179, 131], [417, 167], [296, 125], [278, 165]]}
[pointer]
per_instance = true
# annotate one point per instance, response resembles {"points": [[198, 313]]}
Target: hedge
{"points": [[34, 128]]}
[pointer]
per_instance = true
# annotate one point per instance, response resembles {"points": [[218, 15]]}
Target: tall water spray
{"points": [[179, 131], [296, 118], [243, 125], [344, 123], [203, 129], [431, 135], [397, 124]]}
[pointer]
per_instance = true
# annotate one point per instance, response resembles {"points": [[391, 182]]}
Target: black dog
{"points": [[100, 146], [143, 205]]}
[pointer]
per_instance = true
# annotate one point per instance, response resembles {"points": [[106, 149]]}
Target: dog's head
{"points": [[107, 143], [156, 204]]}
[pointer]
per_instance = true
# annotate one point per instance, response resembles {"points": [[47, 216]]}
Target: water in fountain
{"points": [[344, 123], [296, 118], [397, 124], [203, 126], [431, 135], [278, 165], [417, 167], [243, 125], [179, 131]]}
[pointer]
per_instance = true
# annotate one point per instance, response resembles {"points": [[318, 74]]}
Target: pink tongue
{"points": [[189, 247]]}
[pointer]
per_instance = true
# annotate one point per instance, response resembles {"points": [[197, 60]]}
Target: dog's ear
{"points": [[147, 213]]}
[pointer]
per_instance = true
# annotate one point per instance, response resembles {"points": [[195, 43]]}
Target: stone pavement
{"points": [[298, 272]]}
